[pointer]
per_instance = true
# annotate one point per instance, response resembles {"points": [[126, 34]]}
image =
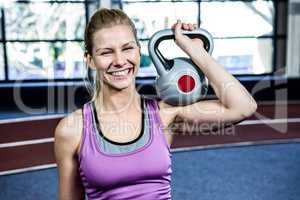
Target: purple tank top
{"points": [[142, 174]]}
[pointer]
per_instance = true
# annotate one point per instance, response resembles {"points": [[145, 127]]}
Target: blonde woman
{"points": [[118, 145]]}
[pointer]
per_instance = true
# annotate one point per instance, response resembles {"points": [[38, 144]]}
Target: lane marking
{"points": [[28, 169], [238, 144], [269, 121], [33, 118], [27, 142]]}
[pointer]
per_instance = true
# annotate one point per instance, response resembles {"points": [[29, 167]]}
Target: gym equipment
{"points": [[179, 81]]}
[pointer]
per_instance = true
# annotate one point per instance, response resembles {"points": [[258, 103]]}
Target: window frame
{"points": [[275, 36], [3, 40]]}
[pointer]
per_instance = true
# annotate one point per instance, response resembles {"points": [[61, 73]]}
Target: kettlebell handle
{"points": [[157, 58]]}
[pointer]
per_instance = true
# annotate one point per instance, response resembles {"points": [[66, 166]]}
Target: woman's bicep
{"points": [[70, 186], [205, 116], [207, 111]]}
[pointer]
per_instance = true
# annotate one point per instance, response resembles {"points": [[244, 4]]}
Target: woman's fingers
{"points": [[177, 28], [173, 26], [184, 26], [192, 26]]}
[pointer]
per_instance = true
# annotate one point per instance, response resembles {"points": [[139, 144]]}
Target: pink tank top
{"points": [[142, 174]]}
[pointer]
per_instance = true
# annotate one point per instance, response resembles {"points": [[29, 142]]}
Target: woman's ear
{"points": [[90, 61]]}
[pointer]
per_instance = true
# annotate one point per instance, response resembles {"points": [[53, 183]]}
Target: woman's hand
{"points": [[187, 44]]}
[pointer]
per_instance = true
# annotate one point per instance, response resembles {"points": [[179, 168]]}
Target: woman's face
{"points": [[116, 56]]}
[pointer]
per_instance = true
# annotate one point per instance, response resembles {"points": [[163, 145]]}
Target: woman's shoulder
{"points": [[71, 121], [69, 129]]}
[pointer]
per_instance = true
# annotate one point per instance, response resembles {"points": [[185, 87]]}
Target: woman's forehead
{"points": [[115, 34]]}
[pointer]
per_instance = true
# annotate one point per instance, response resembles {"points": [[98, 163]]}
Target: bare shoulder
{"points": [[69, 130]]}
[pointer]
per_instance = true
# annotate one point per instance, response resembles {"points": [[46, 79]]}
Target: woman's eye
{"points": [[105, 53], [127, 48]]}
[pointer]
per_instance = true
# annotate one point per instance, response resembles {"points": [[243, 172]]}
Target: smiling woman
{"points": [[116, 57], [102, 46], [118, 145], [99, 147]]}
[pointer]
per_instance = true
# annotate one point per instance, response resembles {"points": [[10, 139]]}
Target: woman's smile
{"points": [[121, 74]]}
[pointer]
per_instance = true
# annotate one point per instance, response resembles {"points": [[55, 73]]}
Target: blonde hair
{"points": [[103, 18]]}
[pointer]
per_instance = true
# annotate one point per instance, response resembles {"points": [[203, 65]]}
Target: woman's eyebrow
{"points": [[127, 43], [101, 48], [106, 48]]}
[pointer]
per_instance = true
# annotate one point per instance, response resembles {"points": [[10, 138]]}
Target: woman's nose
{"points": [[119, 59]]}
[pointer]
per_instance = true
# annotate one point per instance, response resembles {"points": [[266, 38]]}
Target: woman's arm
{"points": [[67, 137], [234, 102]]}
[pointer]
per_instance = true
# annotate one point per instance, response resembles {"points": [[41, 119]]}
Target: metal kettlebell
{"points": [[179, 81]]}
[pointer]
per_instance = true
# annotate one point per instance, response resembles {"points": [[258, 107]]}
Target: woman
{"points": [[118, 145]]}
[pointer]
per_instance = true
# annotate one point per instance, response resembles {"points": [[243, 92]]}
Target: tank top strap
{"points": [[153, 109], [87, 117], [87, 133], [155, 120]]}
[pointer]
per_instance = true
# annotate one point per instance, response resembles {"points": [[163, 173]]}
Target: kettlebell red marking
{"points": [[186, 83]]}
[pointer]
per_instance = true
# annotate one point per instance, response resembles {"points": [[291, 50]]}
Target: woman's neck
{"points": [[116, 102]]}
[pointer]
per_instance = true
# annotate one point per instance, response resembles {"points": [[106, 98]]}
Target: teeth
{"points": [[121, 73]]}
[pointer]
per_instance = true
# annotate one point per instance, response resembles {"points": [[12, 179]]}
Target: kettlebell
{"points": [[179, 80]]}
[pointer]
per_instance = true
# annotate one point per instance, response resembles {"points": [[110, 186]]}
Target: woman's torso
{"points": [[142, 173]]}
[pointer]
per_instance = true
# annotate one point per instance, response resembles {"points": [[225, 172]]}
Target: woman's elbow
{"points": [[249, 110]]}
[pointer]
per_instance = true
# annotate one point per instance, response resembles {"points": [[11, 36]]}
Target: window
{"points": [[243, 35], [42, 40], [244, 32], [2, 75]]}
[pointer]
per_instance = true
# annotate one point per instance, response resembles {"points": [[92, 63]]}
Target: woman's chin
{"points": [[120, 85]]}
